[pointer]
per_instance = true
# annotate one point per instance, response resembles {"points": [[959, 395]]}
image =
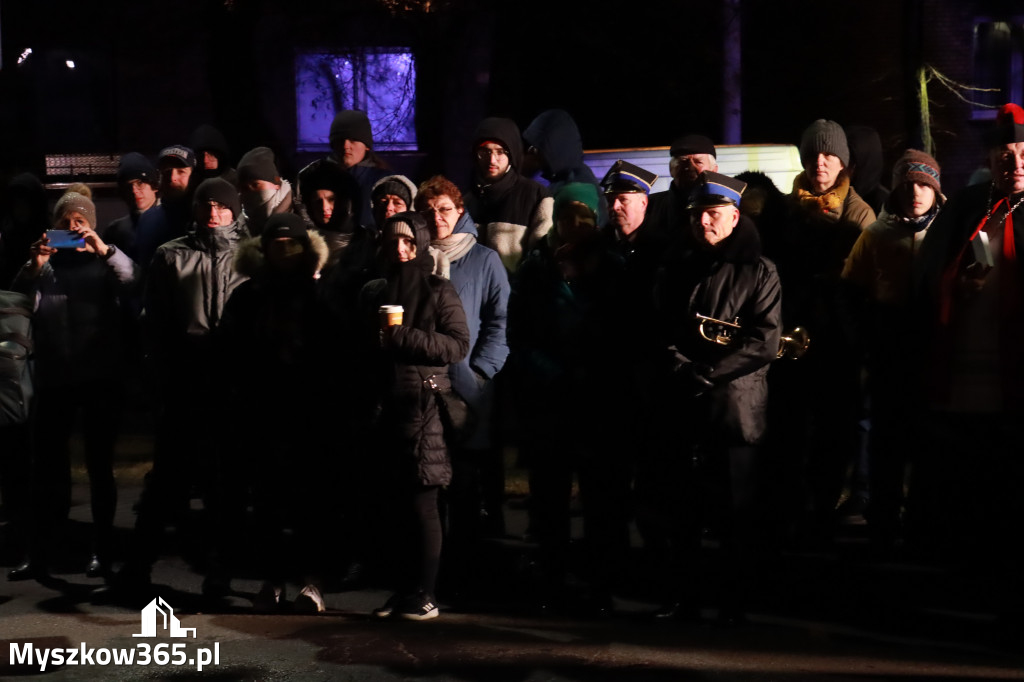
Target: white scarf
{"points": [[455, 245]]}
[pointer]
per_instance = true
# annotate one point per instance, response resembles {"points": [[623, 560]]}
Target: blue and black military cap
{"points": [[625, 177], [715, 189]]}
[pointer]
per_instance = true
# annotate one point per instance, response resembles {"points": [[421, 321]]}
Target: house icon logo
{"points": [[151, 617]]}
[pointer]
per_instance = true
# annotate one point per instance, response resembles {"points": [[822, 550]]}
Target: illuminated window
{"points": [[998, 65], [380, 81]]}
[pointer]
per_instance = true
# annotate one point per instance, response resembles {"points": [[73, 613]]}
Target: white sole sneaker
{"points": [[388, 609], [310, 600], [426, 610]]}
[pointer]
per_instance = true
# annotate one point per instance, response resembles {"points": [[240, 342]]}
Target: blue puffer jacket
{"points": [[482, 283]]}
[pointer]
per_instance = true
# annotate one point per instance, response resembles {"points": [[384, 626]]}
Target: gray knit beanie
{"points": [[398, 228], [74, 202], [824, 137], [257, 164]]}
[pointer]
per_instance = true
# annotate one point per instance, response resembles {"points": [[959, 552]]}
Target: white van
{"points": [[780, 162]]}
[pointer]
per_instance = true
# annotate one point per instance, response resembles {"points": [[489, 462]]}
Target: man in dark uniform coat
{"points": [[716, 394]]}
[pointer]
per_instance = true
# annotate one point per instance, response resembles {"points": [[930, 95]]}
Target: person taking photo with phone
{"points": [[76, 281]]}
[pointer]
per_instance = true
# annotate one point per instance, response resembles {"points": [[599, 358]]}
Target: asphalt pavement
{"points": [[827, 615]]}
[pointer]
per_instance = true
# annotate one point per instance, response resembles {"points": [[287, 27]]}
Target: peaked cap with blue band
{"points": [[625, 177], [715, 189]]}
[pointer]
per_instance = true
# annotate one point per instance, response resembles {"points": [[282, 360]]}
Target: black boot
{"points": [[26, 570]]}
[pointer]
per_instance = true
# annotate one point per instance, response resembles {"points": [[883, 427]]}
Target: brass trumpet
{"points": [[721, 332], [792, 345]]}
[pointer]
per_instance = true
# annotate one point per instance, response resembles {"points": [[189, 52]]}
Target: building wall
{"points": [[631, 77]]}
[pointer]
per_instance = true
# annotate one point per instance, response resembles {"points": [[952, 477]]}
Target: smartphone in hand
{"points": [[64, 239]]}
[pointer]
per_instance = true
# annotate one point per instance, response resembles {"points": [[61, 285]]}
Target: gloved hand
{"points": [[692, 378]]}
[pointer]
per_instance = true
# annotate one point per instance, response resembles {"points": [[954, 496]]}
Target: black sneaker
{"points": [[389, 607], [269, 598], [419, 606]]}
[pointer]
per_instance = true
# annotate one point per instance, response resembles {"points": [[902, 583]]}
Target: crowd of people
{"points": [[717, 360]]}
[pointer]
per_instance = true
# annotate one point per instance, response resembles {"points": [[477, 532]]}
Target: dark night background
{"points": [[632, 75]]}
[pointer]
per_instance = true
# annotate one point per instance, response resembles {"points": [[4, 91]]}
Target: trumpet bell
{"points": [[794, 344]]}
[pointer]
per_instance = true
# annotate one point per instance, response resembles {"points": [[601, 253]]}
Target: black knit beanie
{"points": [[221, 191], [135, 166], [824, 137], [257, 164], [397, 185], [351, 124], [284, 225]]}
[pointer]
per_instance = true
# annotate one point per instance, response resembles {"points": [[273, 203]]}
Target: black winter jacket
{"points": [[731, 281], [411, 433], [514, 212], [78, 299], [668, 217], [567, 334], [272, 343]]}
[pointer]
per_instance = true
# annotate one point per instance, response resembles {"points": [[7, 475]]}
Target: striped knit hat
{"points": [[916, 166]]}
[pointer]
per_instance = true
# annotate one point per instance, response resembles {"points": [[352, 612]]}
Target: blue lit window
{"points": [[998, 65], [380, 81]]}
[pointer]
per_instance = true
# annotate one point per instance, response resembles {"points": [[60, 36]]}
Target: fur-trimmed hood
{"points": [[251, 262]]}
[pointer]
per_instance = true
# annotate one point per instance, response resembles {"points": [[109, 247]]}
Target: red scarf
{"points": [[1008, 293], [1010, 331]]}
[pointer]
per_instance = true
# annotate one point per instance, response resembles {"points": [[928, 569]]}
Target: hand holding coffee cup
{"points": [[390, 317]]}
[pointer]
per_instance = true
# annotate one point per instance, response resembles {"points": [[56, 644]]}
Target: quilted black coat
{"points": [[731, 281], [432, 336]]}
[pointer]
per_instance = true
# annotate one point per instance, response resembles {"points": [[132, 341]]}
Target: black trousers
{"points": [[604, 475], [16, 485], [98, 404], [187, 455]]}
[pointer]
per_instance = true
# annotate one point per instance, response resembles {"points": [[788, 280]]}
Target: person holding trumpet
{"points": [[721, 307]]}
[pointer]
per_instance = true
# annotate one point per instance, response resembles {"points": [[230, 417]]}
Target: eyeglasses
{"points": [[443, 211], [484, 153]]}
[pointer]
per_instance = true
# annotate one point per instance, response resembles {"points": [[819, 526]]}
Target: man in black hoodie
{"points": [[212, 157], [512, 212], [866, 165], [555, 149]]}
